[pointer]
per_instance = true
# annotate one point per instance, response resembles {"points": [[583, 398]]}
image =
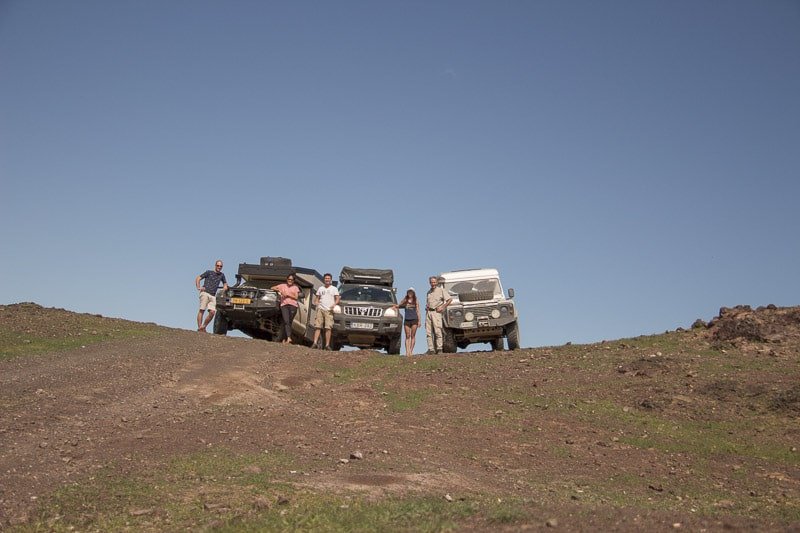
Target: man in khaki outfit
{"points": [[435, 303]]}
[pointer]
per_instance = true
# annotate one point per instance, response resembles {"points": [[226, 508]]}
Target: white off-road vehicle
{"points": [[479, 312]]}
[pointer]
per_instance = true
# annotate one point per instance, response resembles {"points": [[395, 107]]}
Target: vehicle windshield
{"points": [[474, 286], [366, 293]]}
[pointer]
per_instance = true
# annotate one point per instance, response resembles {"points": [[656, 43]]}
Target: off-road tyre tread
{"points": [[512, 335], [448, 341], [394, 346], [221, 325]]}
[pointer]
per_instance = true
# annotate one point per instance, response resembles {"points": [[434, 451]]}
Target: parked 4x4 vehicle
{"points": [[253, 308], [365, 317], [479, 312]]}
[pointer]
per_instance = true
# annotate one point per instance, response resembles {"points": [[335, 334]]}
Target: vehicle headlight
{"points": [[469, 316], [456, 313], [390, 313], [337, 308], [495, 313], [504, 309], [269, 296]]}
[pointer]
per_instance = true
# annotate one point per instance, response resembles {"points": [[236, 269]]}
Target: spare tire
{"points": [[475, 296]]}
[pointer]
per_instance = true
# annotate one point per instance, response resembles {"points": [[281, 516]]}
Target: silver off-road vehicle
{"points": [[254, 309], [479, 312], [365, 317]]}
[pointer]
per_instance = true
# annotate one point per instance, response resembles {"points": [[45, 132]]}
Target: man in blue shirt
{"points": [[208, 293]]}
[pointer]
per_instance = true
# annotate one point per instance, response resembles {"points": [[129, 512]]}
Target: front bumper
{"points": [[482, 327], [365, 332], [253, 311]]}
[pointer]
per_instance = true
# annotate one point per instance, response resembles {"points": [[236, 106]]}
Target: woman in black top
{"points": [[411, 322]]}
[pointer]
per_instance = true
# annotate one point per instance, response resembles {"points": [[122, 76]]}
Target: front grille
{"points": [[371, 312], [479, 311], [253, 294], [242, 293]]}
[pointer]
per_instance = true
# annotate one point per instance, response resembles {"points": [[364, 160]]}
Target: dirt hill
{"points": [[113, 425]]}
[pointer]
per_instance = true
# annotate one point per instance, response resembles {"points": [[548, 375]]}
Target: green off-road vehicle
{"points": [[254, 309]]}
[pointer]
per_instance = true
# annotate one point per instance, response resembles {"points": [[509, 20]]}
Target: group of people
{"points": [[325, 299]]}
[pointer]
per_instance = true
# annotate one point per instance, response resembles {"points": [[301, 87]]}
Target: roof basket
{"points": [[276, 261]]}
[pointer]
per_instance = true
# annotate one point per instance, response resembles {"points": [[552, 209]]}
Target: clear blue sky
{"points": [[628, 166]]}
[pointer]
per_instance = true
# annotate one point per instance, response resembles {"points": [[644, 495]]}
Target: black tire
{"points": [[497, 344], [394, 346], [475, 296], [512, 334], [220, 324], [448, 341]]}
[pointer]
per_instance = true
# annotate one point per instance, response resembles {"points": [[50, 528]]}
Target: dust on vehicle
{"points": [[365, 316], [253, 308], [480, 310]]}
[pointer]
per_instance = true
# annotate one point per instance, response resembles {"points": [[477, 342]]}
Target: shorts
{"points": [[412, 322], [208, 301], [323, 319]]}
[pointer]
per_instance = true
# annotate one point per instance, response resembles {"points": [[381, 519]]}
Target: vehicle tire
{"points": [[475, 296], [497, 344], [394, 346], [512, 334], [448, 341], [220, 324]]}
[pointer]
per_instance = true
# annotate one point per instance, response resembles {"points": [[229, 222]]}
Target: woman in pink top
{"points": [[289, 293]]}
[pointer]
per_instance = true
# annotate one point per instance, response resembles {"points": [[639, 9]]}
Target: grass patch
{"points": [[666, 342], [372, 366], [221, 464], [703, 439], [504, 512], [346, 514], [225, 491], [17, 345], [383, 367], [405, 400], [30, 329]]}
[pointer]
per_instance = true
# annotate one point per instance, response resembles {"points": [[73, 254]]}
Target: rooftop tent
{"points": [[276, 269], [372, 276]]}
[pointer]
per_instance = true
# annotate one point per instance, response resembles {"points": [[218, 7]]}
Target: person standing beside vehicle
{"points": [[411, 320], [289, 294], [208, 293], [325, 299], [436, 302]]}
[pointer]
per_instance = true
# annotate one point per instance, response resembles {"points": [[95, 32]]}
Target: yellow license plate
{"points": [[240, 300]]}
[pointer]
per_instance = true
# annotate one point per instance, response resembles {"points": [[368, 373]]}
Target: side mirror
{"points": [[510, 293], [394, 290]]}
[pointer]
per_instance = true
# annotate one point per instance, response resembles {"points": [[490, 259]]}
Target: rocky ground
{"points": [[108, 424]]}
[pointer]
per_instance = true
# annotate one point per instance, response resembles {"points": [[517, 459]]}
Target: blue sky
{"points": [[628, 166]]}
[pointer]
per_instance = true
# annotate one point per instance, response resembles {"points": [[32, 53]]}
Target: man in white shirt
{"points": [[325, 298]]}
